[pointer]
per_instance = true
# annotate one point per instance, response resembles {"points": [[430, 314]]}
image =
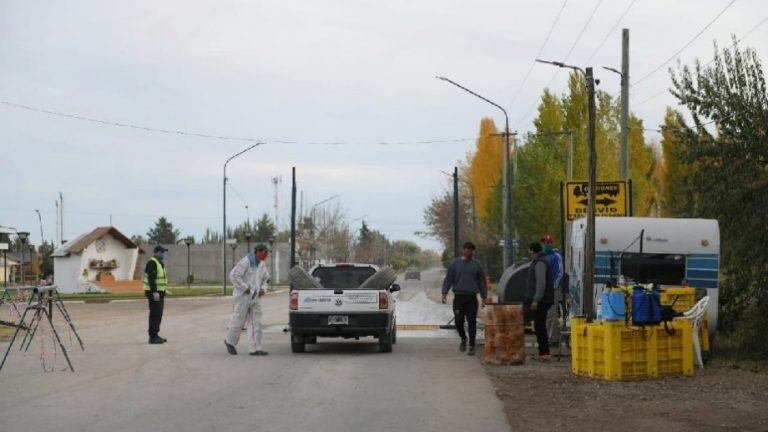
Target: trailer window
{"points": [[664, 269]]}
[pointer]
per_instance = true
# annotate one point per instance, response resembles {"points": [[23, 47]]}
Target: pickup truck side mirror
{"points": [[394, 288]]}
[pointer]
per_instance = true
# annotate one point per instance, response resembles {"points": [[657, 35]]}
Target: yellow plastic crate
{"points": [[680, 298], [612, 351], [683, 299]]}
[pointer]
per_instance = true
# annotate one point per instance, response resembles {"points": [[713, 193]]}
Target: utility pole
{"points": [[624, 152], [61, 217], [456, 248], [276, 181], [57, 239], [293, 217], [589, 258], [569, 157]]}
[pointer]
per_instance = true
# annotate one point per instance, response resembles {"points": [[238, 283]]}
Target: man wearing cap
{"points": [[155, 283], [555, 260], [249, 279], [541, 294], [467, 278]]}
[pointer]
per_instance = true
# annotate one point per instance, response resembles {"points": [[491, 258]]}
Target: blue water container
{"points": [[612, 305], [646, 306]]}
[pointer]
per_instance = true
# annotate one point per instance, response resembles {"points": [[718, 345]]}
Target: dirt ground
{"points": [[546, 396]]}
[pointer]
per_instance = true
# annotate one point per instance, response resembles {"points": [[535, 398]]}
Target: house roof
{"points": [[79, 243]]}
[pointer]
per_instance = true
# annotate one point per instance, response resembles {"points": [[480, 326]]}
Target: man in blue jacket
{"points": [[555, 260], [467, 278]]}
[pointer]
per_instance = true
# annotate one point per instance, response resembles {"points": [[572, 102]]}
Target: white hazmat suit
{"points": [[248, 277]]}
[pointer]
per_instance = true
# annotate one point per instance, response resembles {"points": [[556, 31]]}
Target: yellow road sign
{"points": [[610, 199]]}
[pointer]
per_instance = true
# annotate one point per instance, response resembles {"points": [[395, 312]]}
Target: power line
{"points": [[231, 186], [610, 32], [581, 33], [658, 68], [541, 49], [124, 125], [567, 55], [763, 21], [226, 137]]}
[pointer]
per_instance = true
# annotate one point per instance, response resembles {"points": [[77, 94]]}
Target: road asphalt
{"points": [[191, 384]]}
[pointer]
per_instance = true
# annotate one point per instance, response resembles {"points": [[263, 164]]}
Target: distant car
{"points": [[412, 273]]}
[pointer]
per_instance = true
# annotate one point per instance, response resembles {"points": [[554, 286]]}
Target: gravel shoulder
{"points": [[539, 396]]}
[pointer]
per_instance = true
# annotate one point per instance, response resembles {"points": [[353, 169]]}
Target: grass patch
{"points": [[6, 333], [725, 352], [172, 293]]}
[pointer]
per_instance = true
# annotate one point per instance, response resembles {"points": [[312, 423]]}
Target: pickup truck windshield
{"points": [[342, 277]]}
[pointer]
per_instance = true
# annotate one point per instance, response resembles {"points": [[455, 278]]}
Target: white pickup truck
{"points": [[341, 308]]}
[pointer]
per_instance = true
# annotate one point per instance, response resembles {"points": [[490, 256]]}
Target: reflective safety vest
{"points": [[161, 281]]}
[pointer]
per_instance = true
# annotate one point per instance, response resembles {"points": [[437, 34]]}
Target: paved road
{"points": [[191, 384]]}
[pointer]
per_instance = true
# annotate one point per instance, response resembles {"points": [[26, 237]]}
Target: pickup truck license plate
{"points": [[338, 320]]}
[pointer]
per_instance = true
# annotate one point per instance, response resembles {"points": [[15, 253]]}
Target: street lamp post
{"points": [[23, 236], [456, 249], [272, 262], [471, 196], [188, 241], [589, 258], [507, 222], [224, 224], [248, 236], [234, 247]]}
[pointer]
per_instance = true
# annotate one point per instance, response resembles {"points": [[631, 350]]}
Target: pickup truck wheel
{"points": [[385, 342], [394, 334], [297, 343]]}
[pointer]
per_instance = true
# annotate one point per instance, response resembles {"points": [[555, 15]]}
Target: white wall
{"points": [[67, 272], [126, 258]]}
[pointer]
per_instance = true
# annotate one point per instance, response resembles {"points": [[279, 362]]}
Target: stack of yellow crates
{"points": [[614, 351]]}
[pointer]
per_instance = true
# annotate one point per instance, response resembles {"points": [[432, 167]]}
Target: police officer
{"points": [[155, 283]]}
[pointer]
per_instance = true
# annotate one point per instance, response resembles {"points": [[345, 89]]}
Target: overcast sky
{"points": [[359, 73]]}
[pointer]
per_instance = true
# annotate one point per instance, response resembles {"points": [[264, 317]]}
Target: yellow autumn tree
{"points": [[485, 166]]}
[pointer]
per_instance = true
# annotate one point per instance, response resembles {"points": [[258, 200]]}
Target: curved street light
{"points": [[589, 258], [507, 218], [224, 224]]}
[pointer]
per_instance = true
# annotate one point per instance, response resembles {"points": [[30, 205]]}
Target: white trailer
{"points": [[674, 252]]}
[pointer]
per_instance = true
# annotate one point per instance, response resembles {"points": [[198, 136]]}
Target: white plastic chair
{"points": [[696, 315]]}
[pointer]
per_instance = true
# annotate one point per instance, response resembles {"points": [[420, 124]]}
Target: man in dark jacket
{"points": [[155, 283], [542, 295], [467, 278]]}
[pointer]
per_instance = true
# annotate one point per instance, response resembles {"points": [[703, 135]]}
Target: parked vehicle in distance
{"points": [[412, 273], [341, 308]]}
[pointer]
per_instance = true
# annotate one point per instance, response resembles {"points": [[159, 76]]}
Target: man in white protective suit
{"points": [[249, 279]]}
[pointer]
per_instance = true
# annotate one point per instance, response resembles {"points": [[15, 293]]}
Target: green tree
{"points": [[678, 196], [45, 258], [211, 236], [138, 239], [728, 172], [265, 228], [163, 232]]}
